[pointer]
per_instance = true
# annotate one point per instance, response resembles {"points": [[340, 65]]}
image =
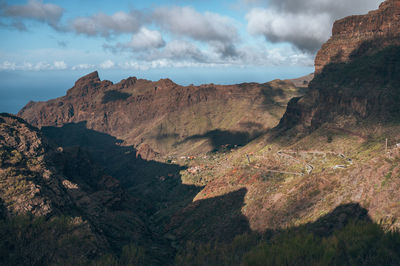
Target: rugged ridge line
{"points": [[163, 117]]}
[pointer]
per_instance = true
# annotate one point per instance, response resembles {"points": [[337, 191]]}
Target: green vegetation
{"points": [[10, 157], [358, 243], [130, 255], [16, 157], [217, 253], [29, 240], [330, 138]]}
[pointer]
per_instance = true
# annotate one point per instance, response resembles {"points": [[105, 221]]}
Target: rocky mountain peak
{"points": [[129, 82], [357, 35], [87, 84], [389, 3], [89, 78], [165, 83]]}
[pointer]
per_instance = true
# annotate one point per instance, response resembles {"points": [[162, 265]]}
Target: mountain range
{"points": [[142, 172]]}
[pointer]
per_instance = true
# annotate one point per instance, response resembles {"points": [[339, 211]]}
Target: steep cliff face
{"points": [[358, 74], [357, 35], [164, 116]]}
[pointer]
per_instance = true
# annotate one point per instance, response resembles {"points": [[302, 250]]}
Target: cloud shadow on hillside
{"points": [[221, 139]]}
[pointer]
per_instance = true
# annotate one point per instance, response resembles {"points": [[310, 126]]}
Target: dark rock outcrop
{"points": [[363, 83], [146, 152], [358, 35]]}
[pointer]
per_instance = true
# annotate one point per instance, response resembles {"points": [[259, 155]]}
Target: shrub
{"points": [[358, 243]]}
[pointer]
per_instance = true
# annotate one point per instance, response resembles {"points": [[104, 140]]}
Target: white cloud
{"points": [[28, 66], [197, 37], [133, 65], [337, 9], [34, 10], [106, 25], [60, 65], [261, 56], [107, 64], [146, 39], [82, 66], [40, 66], [180, 54], [184, 54], [164, 63], [305, 31], [185, 21], [7, 65], [218, 31], [178, 50], [304, 23]]}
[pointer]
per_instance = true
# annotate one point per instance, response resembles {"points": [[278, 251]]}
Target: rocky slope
{"points": [[329, 148], [366, 90], [327, 154], [37, 178], [357, 35], [165, 118]]}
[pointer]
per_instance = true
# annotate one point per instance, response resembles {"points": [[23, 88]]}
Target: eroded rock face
{"points": [[375, 30], [146, 152]]}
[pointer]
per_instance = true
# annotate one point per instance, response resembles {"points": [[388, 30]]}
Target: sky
{"points": [[48, 44]]}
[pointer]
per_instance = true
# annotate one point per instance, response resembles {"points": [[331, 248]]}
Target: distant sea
{"points": [[17, 88]]}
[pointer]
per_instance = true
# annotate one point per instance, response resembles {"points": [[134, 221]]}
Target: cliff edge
{"points": [[357, 35]]}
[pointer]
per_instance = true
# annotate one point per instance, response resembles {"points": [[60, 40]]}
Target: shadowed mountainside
{"points": [[346, 236], [366, 89], [67, 172], [173, 227], [159, 186], [41, 180], [171, 217]]}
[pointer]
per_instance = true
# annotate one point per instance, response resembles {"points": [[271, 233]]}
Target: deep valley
{"points": [[288, 172]]}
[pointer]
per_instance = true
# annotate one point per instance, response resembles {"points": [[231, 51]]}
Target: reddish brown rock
{"points": [[146, 152], [165, 115], [382, 27]]}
